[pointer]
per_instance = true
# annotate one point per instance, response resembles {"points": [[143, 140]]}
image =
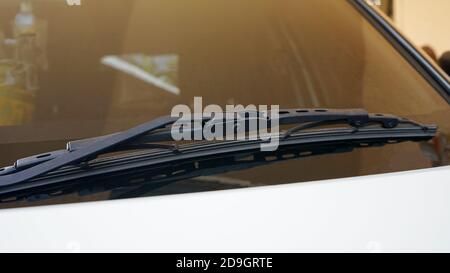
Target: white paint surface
{"points": [[397, 212]]}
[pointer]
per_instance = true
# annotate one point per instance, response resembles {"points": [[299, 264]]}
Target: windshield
{"points": [[69, 72]]}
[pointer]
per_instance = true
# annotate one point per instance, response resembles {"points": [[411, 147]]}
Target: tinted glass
{"points": [[107, 65]]}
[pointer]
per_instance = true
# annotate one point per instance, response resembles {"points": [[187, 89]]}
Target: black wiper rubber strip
{"points": [[91, 148]]}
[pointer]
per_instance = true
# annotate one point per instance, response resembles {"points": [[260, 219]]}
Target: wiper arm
{"points": [[156, 130], [84, 154]]}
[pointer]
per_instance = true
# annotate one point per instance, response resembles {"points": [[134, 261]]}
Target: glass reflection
{"points": [[21, 58], [160, 70]]}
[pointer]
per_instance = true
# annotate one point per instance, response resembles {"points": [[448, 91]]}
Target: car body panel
{"points": [[395, 212]]}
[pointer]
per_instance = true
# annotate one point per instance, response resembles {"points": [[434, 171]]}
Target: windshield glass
{"points": [[69, 72]]}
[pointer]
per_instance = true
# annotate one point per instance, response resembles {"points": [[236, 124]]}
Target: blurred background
{"points": [[425, 23]]}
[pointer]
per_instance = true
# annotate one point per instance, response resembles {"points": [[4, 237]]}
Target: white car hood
{"points": [[394, 212]]}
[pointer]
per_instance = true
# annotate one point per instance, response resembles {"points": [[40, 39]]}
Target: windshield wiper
{"points": [[29, 172]]}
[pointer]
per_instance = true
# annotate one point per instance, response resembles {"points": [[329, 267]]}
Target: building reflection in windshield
{"points": [[21, 58]]}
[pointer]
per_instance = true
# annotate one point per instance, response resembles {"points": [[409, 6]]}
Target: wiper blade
{"points": [[154, 169], [157, 130]]}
